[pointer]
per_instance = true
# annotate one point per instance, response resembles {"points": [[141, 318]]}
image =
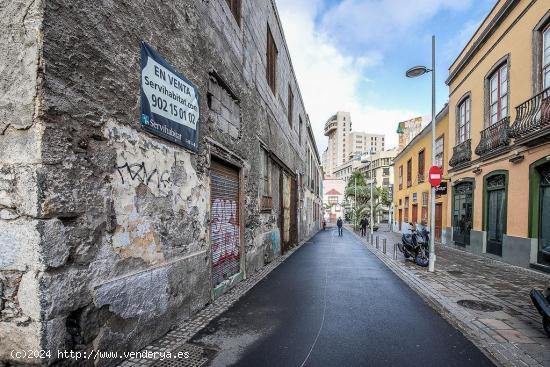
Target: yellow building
{"points": [[411, 199], [499, 134]]}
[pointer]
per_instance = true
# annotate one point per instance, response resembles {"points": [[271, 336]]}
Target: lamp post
{"points": [[371, 197], [355, 204], [412, 73]]}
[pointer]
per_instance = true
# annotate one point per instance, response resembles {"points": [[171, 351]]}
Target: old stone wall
{"points": [[104, 228]]}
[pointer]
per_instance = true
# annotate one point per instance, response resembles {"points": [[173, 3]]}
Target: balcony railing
{"points": [[494, 137], [532, 116], [462, 153]]}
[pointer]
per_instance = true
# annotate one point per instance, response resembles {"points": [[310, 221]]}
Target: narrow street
{"points": [[333, 303]]}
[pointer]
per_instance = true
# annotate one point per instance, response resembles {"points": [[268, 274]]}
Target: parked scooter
{"points": [[415, 245], [541, 300]]}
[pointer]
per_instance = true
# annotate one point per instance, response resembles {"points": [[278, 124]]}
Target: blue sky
{"points": [[352, 55]]}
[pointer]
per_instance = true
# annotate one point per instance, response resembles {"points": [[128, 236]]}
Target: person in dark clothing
{"points": [[364, 225], [340, 224]]}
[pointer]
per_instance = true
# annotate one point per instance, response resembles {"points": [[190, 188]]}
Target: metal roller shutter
{"points": [[225, 222]]}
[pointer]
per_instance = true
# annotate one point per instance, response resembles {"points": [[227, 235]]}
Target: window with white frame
{"points": [[498, 94], [463, 131]]}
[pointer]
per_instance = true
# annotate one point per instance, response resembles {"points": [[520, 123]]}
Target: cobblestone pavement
{"points": [[513, 335], [176, 339]]}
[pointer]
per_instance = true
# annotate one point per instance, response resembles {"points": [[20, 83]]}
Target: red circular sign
{"points": [[435, 176]]}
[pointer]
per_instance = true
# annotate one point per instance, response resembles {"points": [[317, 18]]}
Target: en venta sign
{"points": [[169, 102]]}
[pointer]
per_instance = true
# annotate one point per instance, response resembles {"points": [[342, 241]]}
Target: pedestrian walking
{"points": [[340, 224], [364, 225]]}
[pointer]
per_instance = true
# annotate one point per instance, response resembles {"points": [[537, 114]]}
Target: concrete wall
{"points": [[104, 228]]}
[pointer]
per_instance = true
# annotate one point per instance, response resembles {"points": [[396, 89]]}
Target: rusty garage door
{"points": [[225, 231]]}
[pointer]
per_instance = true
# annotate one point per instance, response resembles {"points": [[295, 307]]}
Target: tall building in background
{"points": [[361, 143], [338, 129], [344, 145], [407, 130]]}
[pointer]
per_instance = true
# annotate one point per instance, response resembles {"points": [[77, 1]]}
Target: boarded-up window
{"points": [[290, 105], [265, 184], [271, 69], [235, 6]]}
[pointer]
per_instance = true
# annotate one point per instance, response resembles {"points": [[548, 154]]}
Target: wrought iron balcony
{"points": [[494, 137], [462, 153], [532, 117]]}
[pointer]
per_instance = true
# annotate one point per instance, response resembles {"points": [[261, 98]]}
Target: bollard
{"points": [[384, 246], [395, 251], [371, 239], [377, 243]]}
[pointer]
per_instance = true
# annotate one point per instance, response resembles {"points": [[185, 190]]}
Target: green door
{"points": [[544, 217]]}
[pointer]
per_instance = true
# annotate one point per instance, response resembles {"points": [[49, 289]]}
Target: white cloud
{"points": [[329, 79], [379, 23]]}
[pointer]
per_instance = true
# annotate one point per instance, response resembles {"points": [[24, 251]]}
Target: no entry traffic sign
{"points": [[435, 176]]}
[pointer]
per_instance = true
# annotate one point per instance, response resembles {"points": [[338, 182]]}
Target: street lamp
{"points": [[371, 198], [413, 73]]}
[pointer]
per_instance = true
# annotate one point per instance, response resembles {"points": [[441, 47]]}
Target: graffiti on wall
{"points": [[139, 172], [225, 231]]}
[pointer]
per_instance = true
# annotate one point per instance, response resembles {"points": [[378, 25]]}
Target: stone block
{"points": [[54, 245], [28, 295], [142, 295], [18, 337], [65, 291], [19, 245]]}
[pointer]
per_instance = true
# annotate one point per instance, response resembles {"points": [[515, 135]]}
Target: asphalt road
{"points": [[333, 303]]}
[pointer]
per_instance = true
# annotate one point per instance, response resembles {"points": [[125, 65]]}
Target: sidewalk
{"points": [[509, 329]]}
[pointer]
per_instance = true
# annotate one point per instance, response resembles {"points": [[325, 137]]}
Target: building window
{"points": [[290, 105], [409, 172], [271, 69], [463, 128], [266, 199], [300, 127], [235, 6], [546, 58], [425, 201], [400, 177], [498, 94], [386, 171], [439, 151], [332, 200], [421, 163]]}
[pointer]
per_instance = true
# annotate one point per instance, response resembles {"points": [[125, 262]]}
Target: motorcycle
{"points": [[416, 245], [541, 300]]}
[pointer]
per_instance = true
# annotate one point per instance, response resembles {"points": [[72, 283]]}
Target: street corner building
{"points": [[151, 156], [499, 137], [412, 197]]}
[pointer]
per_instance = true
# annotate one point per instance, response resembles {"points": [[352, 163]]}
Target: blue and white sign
{"points": [[169, 102]]}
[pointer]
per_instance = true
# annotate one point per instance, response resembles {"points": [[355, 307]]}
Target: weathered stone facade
{"points": [[104, 228]]}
